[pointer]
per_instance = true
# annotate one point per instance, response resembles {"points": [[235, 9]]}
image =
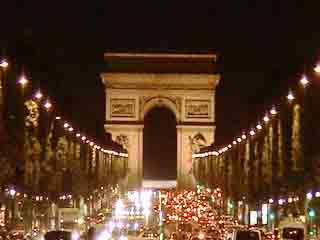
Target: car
{"points": [[246, 234]]}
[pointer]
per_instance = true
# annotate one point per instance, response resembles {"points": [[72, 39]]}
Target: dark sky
{"points": [[263, 47]]}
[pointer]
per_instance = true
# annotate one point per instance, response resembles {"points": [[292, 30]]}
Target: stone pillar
{"points": [[189, 141], [134, 135]]}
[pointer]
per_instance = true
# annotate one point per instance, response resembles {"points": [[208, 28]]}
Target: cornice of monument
{"points": [[149, 56], [160, 80]]}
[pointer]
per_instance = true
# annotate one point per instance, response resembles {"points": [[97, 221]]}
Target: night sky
{"points": [[263, 47]]}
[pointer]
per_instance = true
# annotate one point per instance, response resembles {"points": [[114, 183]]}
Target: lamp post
{"points": [[12, 193], [3, 67]]}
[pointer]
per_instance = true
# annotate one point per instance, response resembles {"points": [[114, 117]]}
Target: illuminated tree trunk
{"points": [[280, 148], [297, 163]]}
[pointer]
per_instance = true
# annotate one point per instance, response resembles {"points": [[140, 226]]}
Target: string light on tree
{"points": [[252, 133], [290, 96], [273, 111], [266, 119], [259, 127], [38, 95]]}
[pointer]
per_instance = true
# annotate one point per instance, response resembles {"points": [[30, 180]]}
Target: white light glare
{"points": [[47, 105], [290, 96], [259, 127], [23, 81], [317, 68], [266, 119], [304, 81], [38, 95], [4, 63], [273, 111], [309, 195], [252, 133]]}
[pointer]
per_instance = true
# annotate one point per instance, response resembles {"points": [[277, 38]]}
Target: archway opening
{"points": [[160, 145]]}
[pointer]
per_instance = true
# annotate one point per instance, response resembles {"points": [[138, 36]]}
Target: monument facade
{"points": [[184, 83]]}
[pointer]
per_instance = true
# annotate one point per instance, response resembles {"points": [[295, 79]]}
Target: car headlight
{"points": [[75, 236]]}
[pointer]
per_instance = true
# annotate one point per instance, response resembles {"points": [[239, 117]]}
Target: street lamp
{"points": [[12, 193], [38, 95], [4, 64], [317, 68], [23, 81], [47, 105]]}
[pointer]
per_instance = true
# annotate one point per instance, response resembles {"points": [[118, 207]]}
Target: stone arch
{"points": [[160, 102]]}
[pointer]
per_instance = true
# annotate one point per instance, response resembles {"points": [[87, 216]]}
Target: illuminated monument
{"points": [[183, 83]]}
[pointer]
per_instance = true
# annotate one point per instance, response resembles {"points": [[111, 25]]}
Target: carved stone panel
{"points": [[122, 108], [198, 108]]}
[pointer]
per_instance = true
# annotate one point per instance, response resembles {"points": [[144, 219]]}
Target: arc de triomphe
{"points": [[183, 83]]}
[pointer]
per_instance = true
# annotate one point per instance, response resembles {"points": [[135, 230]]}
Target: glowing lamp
{"points": [[290, 96], [23, 81], [4, 63], [273, 111], [12, 192], [309, 195], [38, 95], [317, 68], [304, 81], [47, 105], [266, 119]]}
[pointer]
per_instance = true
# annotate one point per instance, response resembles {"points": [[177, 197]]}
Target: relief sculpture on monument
{"points": [[198, 109], [193, 145], [122, 107]]}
